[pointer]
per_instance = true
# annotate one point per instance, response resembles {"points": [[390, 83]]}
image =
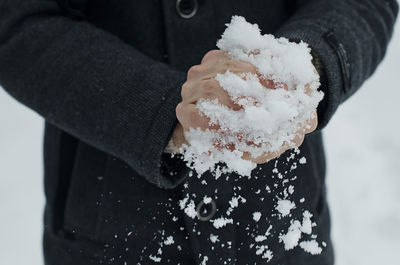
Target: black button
{"points": [[186, 8], [206, 211]]}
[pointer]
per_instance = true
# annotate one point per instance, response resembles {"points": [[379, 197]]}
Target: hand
{"points": [[309, 127], [201, 84]]}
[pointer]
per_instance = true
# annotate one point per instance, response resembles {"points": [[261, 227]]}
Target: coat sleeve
{"points": [[349, 37], [89, 83]]}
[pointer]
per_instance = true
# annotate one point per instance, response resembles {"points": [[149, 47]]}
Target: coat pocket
{"points": [[85, 198]]}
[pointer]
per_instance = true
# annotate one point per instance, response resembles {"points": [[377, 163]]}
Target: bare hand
{"points": [[201, 84]]}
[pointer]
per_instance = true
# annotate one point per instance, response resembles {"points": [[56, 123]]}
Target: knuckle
{"points": [[179, 109], [185, 90], [212, 54], [193, 71]]}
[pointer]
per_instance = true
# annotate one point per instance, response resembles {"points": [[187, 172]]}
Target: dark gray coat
{"points": [[106, 76]]}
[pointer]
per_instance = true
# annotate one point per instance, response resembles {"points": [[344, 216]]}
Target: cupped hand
{"points": [[201, 84]]}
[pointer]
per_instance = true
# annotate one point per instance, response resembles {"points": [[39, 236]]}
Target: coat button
{"points": [[206, 211], [186, 8]]}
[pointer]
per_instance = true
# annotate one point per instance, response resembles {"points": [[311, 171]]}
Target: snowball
{"points": [[268, 118]]}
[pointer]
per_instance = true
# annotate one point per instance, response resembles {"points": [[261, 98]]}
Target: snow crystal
{"points": [[207, 199], [204, 261], [292, 237], [311, 247], [284, 207], [234, 202], [302, 160], [182, 203], [260, 238], [154, 258], [291, 189], [214, 238], [294, 234], [265, 252], [190, 210], [169, 241], [306, 227], [221, 222], [256, 216], [269, 118]]}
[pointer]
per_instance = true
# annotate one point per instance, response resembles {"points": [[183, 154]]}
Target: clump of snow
{"points": [[155, 258], [169, 241], [256, 216], [204, 261], [311, 247], [265, 252], [269, 118], [292, 237], [221, 222], [284, 207], [307, 224], [302, 160], [214, 238], [190, 209], [296, 229], [207, 199]]}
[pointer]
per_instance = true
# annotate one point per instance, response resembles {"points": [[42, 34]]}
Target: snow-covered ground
{"points": [[363, 149]]}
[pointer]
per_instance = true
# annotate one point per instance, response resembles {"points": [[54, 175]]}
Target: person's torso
{"points": [[100, 210]]}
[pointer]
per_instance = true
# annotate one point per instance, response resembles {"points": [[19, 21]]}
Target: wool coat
{"points": [[106, 76]]}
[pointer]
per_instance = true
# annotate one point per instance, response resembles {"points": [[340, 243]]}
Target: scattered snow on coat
{"points": [[295, 232], [169, 241], [155, 258], [284, 207], [256, 216], [311, 247], [221, 222], [268, 117], [204, 261]]}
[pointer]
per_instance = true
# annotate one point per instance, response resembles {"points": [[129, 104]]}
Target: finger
{"points": [[190, 117], [236, 66], [264, 158], [212, 68], [312, 123], [270, 84], [196, 72], [210, 89], [213, 55]]}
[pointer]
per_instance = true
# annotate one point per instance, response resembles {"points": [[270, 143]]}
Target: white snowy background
{"points": [[363, 151]]}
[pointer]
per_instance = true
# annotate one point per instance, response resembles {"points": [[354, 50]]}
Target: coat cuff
{"points": [[154, 161]]}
